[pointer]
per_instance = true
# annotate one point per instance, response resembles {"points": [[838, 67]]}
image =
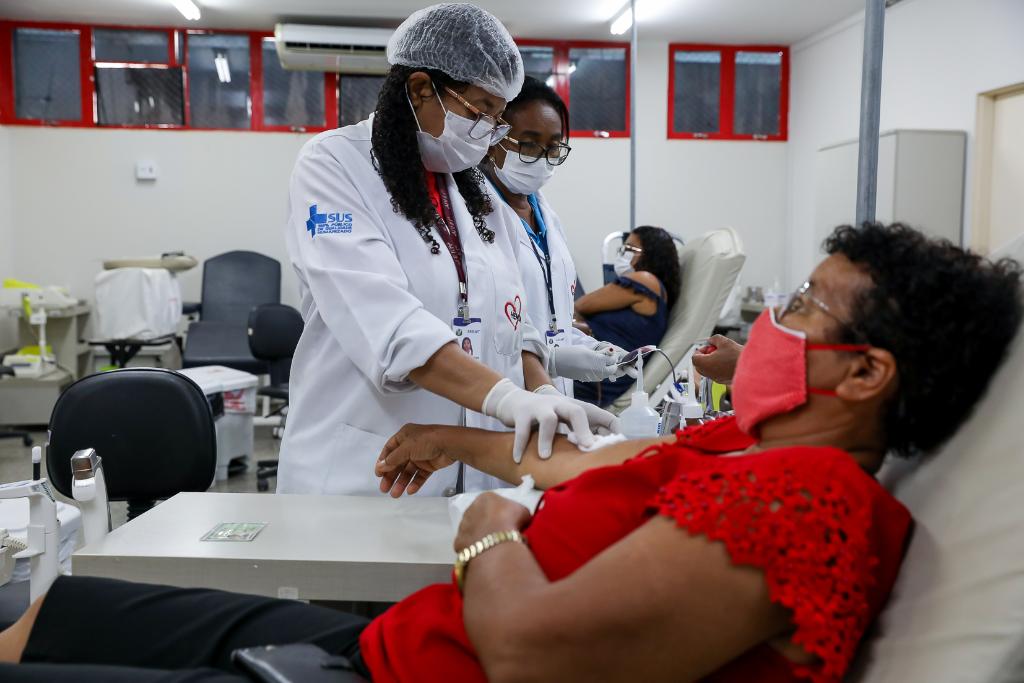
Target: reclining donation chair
{"points": [[710, 266], [153, 429], [957, 610], [274, 331], [233, 283]]}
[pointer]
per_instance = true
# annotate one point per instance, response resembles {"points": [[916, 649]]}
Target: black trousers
{"points": [[92, 629]]}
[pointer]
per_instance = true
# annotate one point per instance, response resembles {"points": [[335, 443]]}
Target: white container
{"points": [[137, 303], [639, 420], [235, 427]]}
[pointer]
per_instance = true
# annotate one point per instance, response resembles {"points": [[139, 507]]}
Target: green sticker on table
{"points": [[234, 531]]}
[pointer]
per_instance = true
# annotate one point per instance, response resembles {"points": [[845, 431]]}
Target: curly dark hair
{"points": [[947, 316], [660, 258], [396, 157], [535, 90]]}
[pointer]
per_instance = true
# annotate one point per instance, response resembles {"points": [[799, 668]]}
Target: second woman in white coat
{"points": [[398, 256], [517, 167]]}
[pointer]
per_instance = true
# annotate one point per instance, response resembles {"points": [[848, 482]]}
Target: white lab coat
{"points": [[377, 305], [563, 277]]}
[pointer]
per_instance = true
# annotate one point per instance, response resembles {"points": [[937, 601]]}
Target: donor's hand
{"points": [[719, 363], [489, 513], [409, 458]]}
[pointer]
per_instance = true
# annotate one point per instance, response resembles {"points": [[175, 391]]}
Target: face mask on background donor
{"points": [[623, 263], [771, 375], [455, 150], [521, 177]]}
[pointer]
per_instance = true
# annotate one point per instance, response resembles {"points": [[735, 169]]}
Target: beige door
{"points": [[999, 191]]}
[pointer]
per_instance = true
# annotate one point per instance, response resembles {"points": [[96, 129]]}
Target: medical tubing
{"points": [[671, 365]]}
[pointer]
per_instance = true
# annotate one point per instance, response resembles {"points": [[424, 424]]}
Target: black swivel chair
{"points": [[153, 429], [274, 331], [233, 283]]}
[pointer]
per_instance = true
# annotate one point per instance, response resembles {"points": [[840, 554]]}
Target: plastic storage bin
{"points": [[236, 390]]}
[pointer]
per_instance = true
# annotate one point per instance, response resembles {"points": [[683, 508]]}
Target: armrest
{"points": [[295, 663], [191, 307]]}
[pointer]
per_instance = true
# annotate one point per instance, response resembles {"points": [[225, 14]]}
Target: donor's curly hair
{"points": [[947, 315], [396, 157]]}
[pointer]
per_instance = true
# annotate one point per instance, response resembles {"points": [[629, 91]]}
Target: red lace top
{"points": [[827, 536]]}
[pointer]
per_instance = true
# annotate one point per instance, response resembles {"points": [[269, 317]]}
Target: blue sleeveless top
{"points": [[626, 329]]}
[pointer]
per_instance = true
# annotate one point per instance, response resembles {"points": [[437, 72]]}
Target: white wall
{"points": [[938, 56], [685, 186], [77, 201], [7, 325]]}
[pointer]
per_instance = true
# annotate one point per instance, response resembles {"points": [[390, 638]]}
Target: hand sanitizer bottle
{"points": [[639, 420]]}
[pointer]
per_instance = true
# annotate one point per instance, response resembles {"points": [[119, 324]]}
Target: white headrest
{"points": [[957, 611]]}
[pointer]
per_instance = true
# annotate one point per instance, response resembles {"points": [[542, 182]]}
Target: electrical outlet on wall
{"points": [[145, 170]]}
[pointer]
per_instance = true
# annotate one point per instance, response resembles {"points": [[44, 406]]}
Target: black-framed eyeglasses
{"points": [[802, 297], [485, 124], [532, 152]]}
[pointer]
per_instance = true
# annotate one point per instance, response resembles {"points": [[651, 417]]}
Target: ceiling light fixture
{"points": [[623, 22], [220, 60], [188, 9]]}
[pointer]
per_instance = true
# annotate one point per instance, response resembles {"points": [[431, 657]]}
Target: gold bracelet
{"points": [[486, 543]]}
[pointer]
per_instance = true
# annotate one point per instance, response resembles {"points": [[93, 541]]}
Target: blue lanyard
{"points": [[539, 240]]}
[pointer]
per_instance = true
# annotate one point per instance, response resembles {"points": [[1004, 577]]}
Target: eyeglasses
{"points": [[496, 127], [799, 299], [531, 152], [630, 248]]}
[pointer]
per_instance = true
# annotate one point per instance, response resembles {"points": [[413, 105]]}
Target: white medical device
{"points": [[89, 489], [639, 420], [42, 531]]}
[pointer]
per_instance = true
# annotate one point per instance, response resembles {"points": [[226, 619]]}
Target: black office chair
{"points": [[25, 437], [233, 283], [152, 427], [274, 331]]}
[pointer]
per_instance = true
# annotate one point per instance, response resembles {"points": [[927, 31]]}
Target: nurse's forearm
{"points": [[454, 374], [534, 374]]}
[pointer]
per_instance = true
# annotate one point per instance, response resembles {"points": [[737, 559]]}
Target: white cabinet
{"points": [[920, 182]]}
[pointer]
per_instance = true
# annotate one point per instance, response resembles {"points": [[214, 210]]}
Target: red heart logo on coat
{"points": [[513, 311]]}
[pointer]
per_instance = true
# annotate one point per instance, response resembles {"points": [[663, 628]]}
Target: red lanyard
{"points": [[450, 236]]}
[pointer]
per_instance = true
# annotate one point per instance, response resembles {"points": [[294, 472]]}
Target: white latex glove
{"points": [[618, 354], [601, 421], [522, 409], [583, 364]]}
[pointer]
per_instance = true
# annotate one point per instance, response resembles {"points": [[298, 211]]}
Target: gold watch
{"points": [[486, 543]]}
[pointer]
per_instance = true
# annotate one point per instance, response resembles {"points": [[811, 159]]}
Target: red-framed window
{"points": [[156, 77], [591, 76], [728, 92]]}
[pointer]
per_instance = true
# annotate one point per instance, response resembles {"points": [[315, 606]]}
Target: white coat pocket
{"points": [[354, 453], [510, 313]]}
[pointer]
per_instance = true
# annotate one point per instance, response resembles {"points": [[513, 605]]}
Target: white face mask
{"points": [[623, 264], [523, 178], [455, 150]]}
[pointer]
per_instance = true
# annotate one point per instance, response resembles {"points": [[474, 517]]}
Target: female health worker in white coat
{"points": [[398, 256], [517, 167]]}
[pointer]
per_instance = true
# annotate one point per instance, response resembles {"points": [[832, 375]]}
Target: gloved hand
{"points": [[587, 364], [601, 421], [521, 409], [619, 353]]}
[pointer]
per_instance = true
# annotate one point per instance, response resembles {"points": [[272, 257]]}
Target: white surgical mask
{"points": [[623, 264], [523, 178], [455, 150]]}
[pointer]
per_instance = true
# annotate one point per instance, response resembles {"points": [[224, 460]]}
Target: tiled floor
{"points": [[16, 464]]}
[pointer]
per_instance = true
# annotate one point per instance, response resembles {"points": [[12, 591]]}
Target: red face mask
{"points": [[771, 375]]}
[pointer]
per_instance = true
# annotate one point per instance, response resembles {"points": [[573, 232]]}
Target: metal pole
{"points": [[870, 101], [632, 118]]}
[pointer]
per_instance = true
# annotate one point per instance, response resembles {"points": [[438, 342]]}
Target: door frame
{"points": [[981, 193]]}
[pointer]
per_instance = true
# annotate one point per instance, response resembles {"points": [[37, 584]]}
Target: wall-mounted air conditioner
{"points": [[301, 47]]}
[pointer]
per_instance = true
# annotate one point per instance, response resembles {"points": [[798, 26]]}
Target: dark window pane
{"points": [[597, 89], [218, 89], [290, 98], [111, 45], [47, 82], [697, 82], [758, 87], [539, 62], [137, 97], [358, 97]]}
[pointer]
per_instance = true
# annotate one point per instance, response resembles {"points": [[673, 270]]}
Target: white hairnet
{"points": [[465, 42]]}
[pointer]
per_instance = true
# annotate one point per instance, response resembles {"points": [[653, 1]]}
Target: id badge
{"points": [[555, 338], [469, 335]]}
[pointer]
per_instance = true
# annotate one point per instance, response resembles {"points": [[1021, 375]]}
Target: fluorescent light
{"points": [[220, 60], [550, 81], [188, 9], [622, 22], [572, 68]]}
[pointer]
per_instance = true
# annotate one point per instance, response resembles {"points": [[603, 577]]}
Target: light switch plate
{"points": [[145, 170]]}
